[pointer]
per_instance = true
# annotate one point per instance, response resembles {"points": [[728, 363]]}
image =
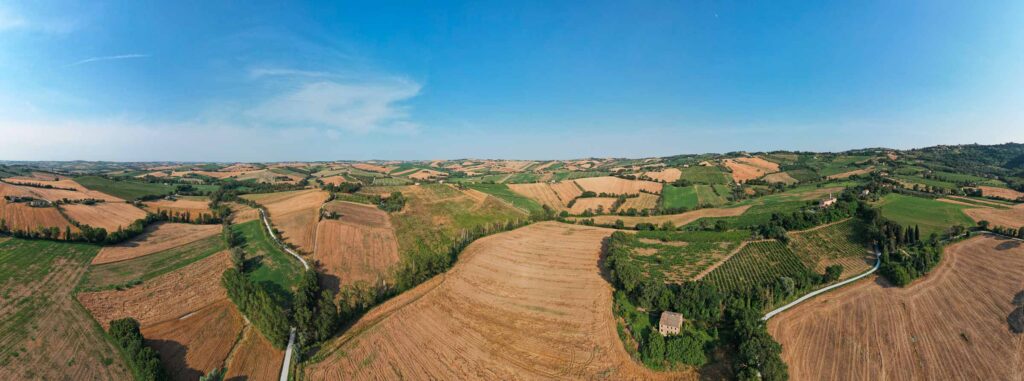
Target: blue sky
{"points": [[255, 81]]}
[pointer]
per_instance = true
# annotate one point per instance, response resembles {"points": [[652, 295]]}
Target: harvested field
{"points": [[540, 192], [169, 296], [20, 216], [241, 213], [359, 246], [254, 358], [195, 344], [80, 192], [295, 214], [667, 175], [158, 237], [951, 325], [525, 304], [44, 333], [1004, 193], [844, 175], [749, 168], [194, 207], [372, 168], [334, 180], [594, 204], [780, 177], [566, 191], [645, 201], [427, 174], [617, 186], [677, 219], [1009, 218], [107, 215], [140, 269]]}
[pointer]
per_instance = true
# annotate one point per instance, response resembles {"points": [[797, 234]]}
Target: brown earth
{"points": [[169, 296], [193, 207], [526, 304], [951, 325], [1008, 218], [677, 219], [749, 168], [254, 359], [1003, 193], [667, 175], [195, 344], [427, 174], [540, 192], [242, 213], [20, 216], [80, 192], [645, 201], [371, 167], [592, 203], [107, 215], [295, 214], [334, 180], [617, 186], [566, 191], [359, 246], [157, 237]]}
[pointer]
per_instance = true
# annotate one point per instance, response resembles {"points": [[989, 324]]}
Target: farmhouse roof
{"points": [[671, 319]]}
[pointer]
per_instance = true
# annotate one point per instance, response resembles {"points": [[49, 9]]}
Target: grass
{"points": [[831, 243], [705, 175], [501, 191], [679, 256], [355, 197], [803, 174], [266, 263], [678, 197], [758, 263], [128, 190], [391, 181], [706, 195], [525, 177], [931, 215], [929, 182], [559, 176], [124, 273]]}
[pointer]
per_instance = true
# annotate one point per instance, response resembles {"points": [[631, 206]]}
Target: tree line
{"points": [[142, 360]]}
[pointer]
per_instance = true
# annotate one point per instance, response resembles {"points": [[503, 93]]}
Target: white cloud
{"points": [[110, 58], [359, 107], [13, 20], [9, 20], [276, 72]]}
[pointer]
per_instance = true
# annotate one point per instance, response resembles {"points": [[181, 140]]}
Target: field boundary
{"points": [[291, 337], [878, 262]]}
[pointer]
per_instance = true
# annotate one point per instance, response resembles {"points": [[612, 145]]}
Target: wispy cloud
{"points": [[359, 107], [110, 58], [14, 20], [10, 20], [278, 72]]}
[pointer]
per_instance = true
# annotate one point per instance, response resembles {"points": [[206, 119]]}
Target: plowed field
{"points": [[195, 344], [359, 246], [20, 216], [255, 359], [158, 237], [617, 186], [295, 214]]}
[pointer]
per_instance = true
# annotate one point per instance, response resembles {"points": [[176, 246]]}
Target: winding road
{"points": [[291, 335]]}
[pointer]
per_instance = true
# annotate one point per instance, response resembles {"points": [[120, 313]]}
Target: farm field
{"points": [[108, 215], [667, 175], [950, 325], [146, 267], [192, 206], [44, 333], [525, 304], [677, 219], [267, 264], [295, 214], [678, 197], [931, 215], [837, 243], [20, 216], [679, 256], [566, 190], [197, 343], [542, 193], [617, 186], [158, 237], [358, 246], [843, 175], [749, 168], [1003, 193], [593, 204], [124, 189], [705, 175], [644, 201], [759, 262], [168, 296], [780, 177], [503, 192], [706, 195], [254, 358], [1005, 217], [69, 190]]}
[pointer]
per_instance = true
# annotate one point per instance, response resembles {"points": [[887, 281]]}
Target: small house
{"points": [[828, 201], [670, 323], [39, 203]]}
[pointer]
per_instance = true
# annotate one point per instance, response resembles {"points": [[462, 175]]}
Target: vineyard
{"points": [[758, 263], [678, 256], [834, 244]]}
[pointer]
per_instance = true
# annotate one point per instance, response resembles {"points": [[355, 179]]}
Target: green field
{"points": [[706, 195], [705, 175], [501, 191], [128, 190], [391, 181], [266, 263], [678, 197], [931, 215], [679, 256], [525, 177], [559, 176], [841, 243], [758, 263], [126, 273], [803, 174], [44, 332], [930, 182]]}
